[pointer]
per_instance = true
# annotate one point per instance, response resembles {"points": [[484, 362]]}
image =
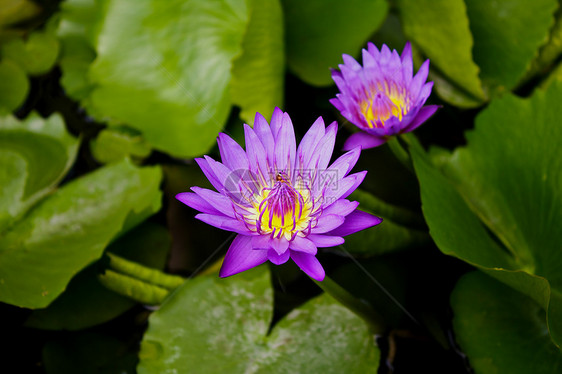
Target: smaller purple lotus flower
{"points": [[382, 97], [282, 201]]}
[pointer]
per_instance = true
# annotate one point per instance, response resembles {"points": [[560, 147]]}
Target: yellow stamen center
{"points": [[382, 103]]}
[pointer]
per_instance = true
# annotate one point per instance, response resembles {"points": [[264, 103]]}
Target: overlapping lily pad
{"points": [[35, 154], [86, 302], [258, 74], [319, 31], [501, 50], [36, 55], [14, 86], [172, 70], [116, 143], [441, 29], [477, 46], [501, 330], [213, 325], [497, 203], [70, 229]]}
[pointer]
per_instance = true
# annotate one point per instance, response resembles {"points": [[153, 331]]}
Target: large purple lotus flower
{"points": [[282, 201], [382, 97]]}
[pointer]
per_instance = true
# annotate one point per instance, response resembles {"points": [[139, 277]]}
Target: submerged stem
{"points": [[400, 152], [359, 307]]}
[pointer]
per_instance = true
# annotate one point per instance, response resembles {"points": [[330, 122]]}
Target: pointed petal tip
{"points": [[310, 265], [182, 195], [424, 114], [355, 222], [333, 127], [278, 258], [407, 48], [260, 117]]}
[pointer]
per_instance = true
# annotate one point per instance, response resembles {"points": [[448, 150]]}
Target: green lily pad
{"points": [[501, 330], [116, 143], [86, 302], [317, 32], [501, 50], [70, 229], [77, 31], [14, 86], [258, 74], [162, 68], [35, 154], [497, 204], [451, 93], [37, 55], [549, 52], [554, 76], [213, 325], [441, 29]]}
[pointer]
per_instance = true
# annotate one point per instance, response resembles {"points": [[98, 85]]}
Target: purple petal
{"points": [[232, 154], [373, 50], [309, 143], [424, 93], [222, 173], [385, 55], [303, 245], [351, 62], [276, 121], [241, 257], [261, 242], [337, 103], [257, 156], [285, 145], [343, 165], [263, 131], [419, 80], [368, 59], [280, 245], [341, 207], [363, 140], [393, 126], [323, 151], [335, 72], [192, 200], [355, 222], [309, 264], [324, 241], [343, 188], [407, 64], [423, 115], [220, 202], [206, 169], [333, 192], [357, 180], [351, 76], [277, 258], [342, 85], [327, 222], [224, 223]]}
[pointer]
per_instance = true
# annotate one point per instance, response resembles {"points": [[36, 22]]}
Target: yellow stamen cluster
{"points": [[382, 103]]}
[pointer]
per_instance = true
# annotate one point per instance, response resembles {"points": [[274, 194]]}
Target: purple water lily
{"points": [[382, 97], [282, 201]]}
